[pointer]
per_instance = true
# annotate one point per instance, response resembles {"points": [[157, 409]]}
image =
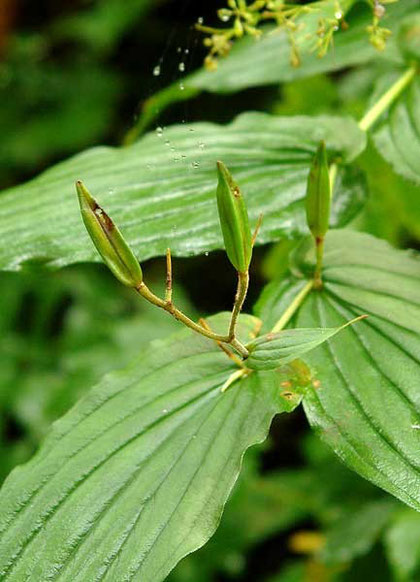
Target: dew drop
{"points": [[167, 142], [224, 18], [181, 67], [159, 131], [338, 15], [156, 71], [201, 145], [206, 253], [195, 164], [200, 20], [164, 411], [181, 86]]}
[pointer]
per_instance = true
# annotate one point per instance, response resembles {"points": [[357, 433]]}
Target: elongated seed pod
{"points": [[109, 241], [234, 221], [318, 194]]}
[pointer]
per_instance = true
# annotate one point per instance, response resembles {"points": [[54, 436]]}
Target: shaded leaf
{"points": [[367, 404], [402, 543], [162, 198], [398, 136], [355, 534], [102, 24], [136, 475]]}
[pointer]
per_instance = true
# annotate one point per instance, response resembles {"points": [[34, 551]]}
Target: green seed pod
{"points": [[106, 237], [234, 221], [409, 37], [318, 194]]}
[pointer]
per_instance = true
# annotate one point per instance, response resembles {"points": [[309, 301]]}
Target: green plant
{"points": [[136, 475]]}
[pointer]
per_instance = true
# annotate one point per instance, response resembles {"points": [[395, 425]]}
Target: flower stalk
{"points": [[318, 203], [122, 262]]}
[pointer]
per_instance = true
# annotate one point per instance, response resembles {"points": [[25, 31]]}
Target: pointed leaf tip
{"points": [[272, 350], [108, 240], [234, 221]]}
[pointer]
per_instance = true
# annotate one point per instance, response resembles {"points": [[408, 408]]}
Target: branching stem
{"points": [[170, 308], [241, 291]]}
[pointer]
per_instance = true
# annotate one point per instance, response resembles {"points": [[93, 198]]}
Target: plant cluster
{"points": [[135, 477], [247, 19]]}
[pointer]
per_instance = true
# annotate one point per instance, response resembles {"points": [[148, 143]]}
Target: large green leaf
{"points": [[266, 61], [161, 190], [398, 136], [136, 475], [367, 406]]}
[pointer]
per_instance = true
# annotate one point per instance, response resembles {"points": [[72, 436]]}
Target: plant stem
{"points": [[319, 248], [177, 314], [387, 98], [293, 307], [333, 177], [241, 291], [168, 293]]}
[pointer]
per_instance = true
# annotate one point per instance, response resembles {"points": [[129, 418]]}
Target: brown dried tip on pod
{"points": [[108, 240]]}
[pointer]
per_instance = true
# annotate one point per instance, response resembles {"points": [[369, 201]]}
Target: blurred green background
{"points": [[74, 74]]}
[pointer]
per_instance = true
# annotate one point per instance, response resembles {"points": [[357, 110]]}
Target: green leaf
{"points": [[356, 532], [266, 61], [272, 350], [398, 136], [136, 475], [402, 543], [367, 404], [162, 198]]}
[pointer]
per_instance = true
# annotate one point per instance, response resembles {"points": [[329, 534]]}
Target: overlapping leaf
{"points": [[368, 404], [272, 350], [136, 475], [161, 190], [398, 137], [266, 61]]}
